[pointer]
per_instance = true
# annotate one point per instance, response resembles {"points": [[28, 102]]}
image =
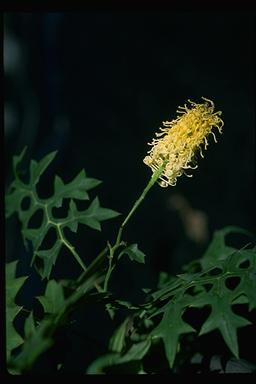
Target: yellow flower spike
{"points": [[180, 139]]}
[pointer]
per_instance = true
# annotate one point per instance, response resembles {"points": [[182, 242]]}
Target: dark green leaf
{"points": [[135, 353], [53, 300], [134, 253], [49, 257], [38, 168], [17, 160], [221, 317], [37, 343], [91, 216], [13, 285], [76, 189], [170, 328], [29, 327], [217, 249], [117, 341]]}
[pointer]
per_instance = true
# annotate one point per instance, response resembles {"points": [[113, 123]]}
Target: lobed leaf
{"points": [[53, 299], [170, 328], [134, 253], [76, 189], [13, 285]]}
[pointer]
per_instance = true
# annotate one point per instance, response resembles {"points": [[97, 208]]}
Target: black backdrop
{"points": [[96, 86]]}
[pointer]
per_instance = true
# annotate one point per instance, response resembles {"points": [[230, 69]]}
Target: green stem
{"points": [[94, 264], [118, 241], [150, 184], [110, 267], [70, 247]]}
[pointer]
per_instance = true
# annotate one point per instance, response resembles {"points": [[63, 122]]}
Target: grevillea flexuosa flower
{"points": [[180, 139]]}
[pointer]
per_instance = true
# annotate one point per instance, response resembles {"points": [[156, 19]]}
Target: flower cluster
{"points": [[180, 139]]}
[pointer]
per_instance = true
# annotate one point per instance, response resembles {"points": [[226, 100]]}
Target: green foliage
{"points": [[13, 285], [134, 253], [171, 328], [133, 356], [40, 338], [175, 297], [224, 277], [76, 189], [53, 299]]}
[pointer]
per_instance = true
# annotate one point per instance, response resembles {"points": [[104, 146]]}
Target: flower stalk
{"points": [[172, 154]]}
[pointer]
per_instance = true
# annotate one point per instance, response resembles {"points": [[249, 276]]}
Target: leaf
{"points": [[134, 253], [227, 322], [76, 189], [49, 257], [117, 341], [240, 366], [170, 328], [29, 327], [135, 353], [37, 343], [123, 304], [53, 300], [38, 168], [98, 365], [41, 338], [248, 286], [13, 201], [17, 160], [13, 338], [217, 249], [221, 317], [13, 285], [90, 217], [206, 288]]}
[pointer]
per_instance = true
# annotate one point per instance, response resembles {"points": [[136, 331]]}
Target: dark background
{"points": [[96, 86]]}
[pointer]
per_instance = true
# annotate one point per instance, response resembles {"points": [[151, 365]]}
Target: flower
{"points": [[180, 139]]}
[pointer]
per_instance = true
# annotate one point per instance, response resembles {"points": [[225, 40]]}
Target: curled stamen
{"points": [[180, 139]]}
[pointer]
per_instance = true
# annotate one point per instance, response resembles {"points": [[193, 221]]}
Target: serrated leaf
{"points": [[53, 300], [13, 338], [221, 317], [49, 257], [13, 285], [134, 253], [76, 189], [13, 201], [248, 286], [29, 326], [91, 216], [36, 236], [168, 290], [36, 344], [99, 213], [170, 328], [217, 249], [57, 307], [38, 168]]}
